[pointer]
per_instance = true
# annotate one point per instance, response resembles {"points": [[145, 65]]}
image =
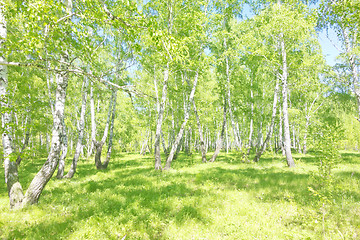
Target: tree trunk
{"points": [[182, 128], [160, 119], [202, 144], [64, 150], [287, 141], [305, 134], [271, 128], [93, 122], [220, 140], [25, 141], [14, 188], [251, 127], [353, 67], [43, 176], [99, 144], [111, 133], [79, 145]]}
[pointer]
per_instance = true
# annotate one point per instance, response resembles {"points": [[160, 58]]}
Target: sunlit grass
{"points": [[228, 199]]}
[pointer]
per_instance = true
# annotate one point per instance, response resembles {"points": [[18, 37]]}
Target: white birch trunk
{"points": [[271, 128], [287, 141], [160, 120], [81, 128], [14, 188], [182, 128]]}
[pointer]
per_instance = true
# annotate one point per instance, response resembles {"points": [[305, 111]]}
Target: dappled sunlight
{"points": [[213, 200]]}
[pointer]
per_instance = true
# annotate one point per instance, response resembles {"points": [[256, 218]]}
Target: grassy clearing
{"points": [[227, 199]]}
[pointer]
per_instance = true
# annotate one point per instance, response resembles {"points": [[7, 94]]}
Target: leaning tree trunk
{"points": [[182, 128], [268, 136], [160, 120], [219, 143], [43, 176], [287, 141], [79, 145]]}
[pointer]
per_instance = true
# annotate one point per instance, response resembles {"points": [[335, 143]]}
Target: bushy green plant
{"points": [[327, 138]]}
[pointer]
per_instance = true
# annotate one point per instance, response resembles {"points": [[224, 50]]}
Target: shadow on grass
{"points": [[130, 193]]}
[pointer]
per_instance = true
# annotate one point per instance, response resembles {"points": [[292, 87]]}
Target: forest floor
{"points": [[228, 199]]}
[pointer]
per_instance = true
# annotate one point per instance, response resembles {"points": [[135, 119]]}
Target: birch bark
{"points": [[287, 141], [160, 120], [271, 128], [182, 128], [79, 144]]}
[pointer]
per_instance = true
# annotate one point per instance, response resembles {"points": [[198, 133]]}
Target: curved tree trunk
{"points": [[182, 128], [43, 176]]}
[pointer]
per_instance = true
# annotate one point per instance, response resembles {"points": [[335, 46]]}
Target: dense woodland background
{"points": [[92, 79]]}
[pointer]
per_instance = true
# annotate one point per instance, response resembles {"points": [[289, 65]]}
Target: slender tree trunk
{"points": [[251, 127], [64, 150], [14, 188], [163, 143], [160, 119], [111, 133], [353, 67], [307, 124], [81, 128], [202, 144], [271, 128], [93, 122], [220, 140], [25, 141], [287, 141], [182, 128], [99, 144]]}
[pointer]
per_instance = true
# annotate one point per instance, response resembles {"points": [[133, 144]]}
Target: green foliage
{"points": [[223, 200]]}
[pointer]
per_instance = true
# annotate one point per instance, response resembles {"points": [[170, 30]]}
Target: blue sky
{"points": [[330, 52]]}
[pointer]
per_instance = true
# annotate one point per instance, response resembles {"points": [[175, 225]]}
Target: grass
{"points": [[227, 199]]}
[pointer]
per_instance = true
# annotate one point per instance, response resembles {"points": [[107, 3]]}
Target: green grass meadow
{"points": [[228, 199]]}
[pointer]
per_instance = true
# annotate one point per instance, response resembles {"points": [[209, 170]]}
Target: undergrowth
{"points": [[228, 199]]}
